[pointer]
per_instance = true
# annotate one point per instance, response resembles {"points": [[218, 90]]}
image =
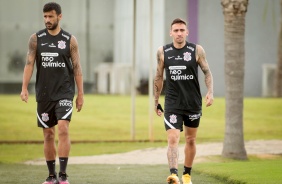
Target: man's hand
{"points": [[79, 102], [209, 99], [24, 95], [159, 110]]}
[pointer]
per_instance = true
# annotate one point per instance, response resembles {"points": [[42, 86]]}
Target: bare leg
{"points": [[64, 144], [64, 140], [49, 143], [50, 149], [190, 146], [172, 151]]}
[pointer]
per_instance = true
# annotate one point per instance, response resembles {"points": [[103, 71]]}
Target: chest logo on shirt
{"points": [[52, 45], [50, 59], [176, 73], [61, 44], [187, 56]]}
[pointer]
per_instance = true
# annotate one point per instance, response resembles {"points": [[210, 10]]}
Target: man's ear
{"points": [[60, 16]]}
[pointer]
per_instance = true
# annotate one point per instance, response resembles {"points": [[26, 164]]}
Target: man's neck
{"points": [[55, 31], [179, 45]]}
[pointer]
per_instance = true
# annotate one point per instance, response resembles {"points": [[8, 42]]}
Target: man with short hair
{"points": [[183, 100], [56, 55]]}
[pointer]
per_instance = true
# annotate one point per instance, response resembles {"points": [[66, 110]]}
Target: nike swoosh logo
{"points": [[42, 44], [170, 57]]}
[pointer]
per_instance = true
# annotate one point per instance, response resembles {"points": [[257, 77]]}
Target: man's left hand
{"points": [[79, 102]]}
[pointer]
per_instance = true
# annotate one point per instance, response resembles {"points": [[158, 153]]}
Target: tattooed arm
{"points": [[158, 82], [29, 65], [75, 58], [203, 63]]}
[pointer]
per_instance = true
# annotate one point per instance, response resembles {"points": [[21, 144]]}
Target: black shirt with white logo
{"points": [[182, 92], [54, 77]]}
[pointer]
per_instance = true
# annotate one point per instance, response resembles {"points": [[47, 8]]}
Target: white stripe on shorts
{"points": [[67, 114], [168, 124], [42, 123]]}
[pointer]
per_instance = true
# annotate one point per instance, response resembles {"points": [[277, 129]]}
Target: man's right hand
{"points": [[159, 110]]}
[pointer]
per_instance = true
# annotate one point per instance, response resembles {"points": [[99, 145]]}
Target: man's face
{"points": [[51, 19], [178, 33]]}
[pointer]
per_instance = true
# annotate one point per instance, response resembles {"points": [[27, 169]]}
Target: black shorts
{"points": [[48, 113], [175, 120]]}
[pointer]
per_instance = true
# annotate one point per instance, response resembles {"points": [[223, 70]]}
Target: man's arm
{"points": [[203, 63], [29, 65], [158, 82], [77, 72]]}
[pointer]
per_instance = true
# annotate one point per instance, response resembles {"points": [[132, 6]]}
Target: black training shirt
{"points": [[54, 77], [182, 90]]}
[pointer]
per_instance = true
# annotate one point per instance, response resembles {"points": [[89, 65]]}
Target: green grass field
{"points": [[107, 118], [93, 174], [253, 171]]}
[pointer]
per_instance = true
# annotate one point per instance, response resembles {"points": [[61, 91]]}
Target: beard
{"points": [[50, 26]]}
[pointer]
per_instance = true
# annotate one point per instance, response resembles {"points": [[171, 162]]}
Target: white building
{"points": [[104, 29]]}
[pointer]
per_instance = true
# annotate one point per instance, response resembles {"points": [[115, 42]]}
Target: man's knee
{"points": [[190, 140], [173, 137], [49, 134], [63, 128]]}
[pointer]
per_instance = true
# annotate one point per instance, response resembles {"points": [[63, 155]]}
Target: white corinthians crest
{"points": [[172, 118], [61, 44], [45, 117], [187, 56]]}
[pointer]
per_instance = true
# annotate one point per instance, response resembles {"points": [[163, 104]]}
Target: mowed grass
{"points": [[17, 153], [255, 170], [102, 118], [108, 118], [93, 174]]}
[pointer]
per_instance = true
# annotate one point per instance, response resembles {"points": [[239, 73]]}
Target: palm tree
{"points": [[278, 78], [234, 33]]}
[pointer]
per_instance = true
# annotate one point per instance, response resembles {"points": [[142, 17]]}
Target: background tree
{"points": [[234, 34], [278, 77]]}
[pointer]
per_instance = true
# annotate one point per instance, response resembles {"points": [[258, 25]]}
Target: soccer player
{"points": [[183, 101], [56, 55]]}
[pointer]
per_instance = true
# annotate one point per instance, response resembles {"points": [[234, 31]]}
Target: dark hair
{"points": [[178, 21], [52, 6]]}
